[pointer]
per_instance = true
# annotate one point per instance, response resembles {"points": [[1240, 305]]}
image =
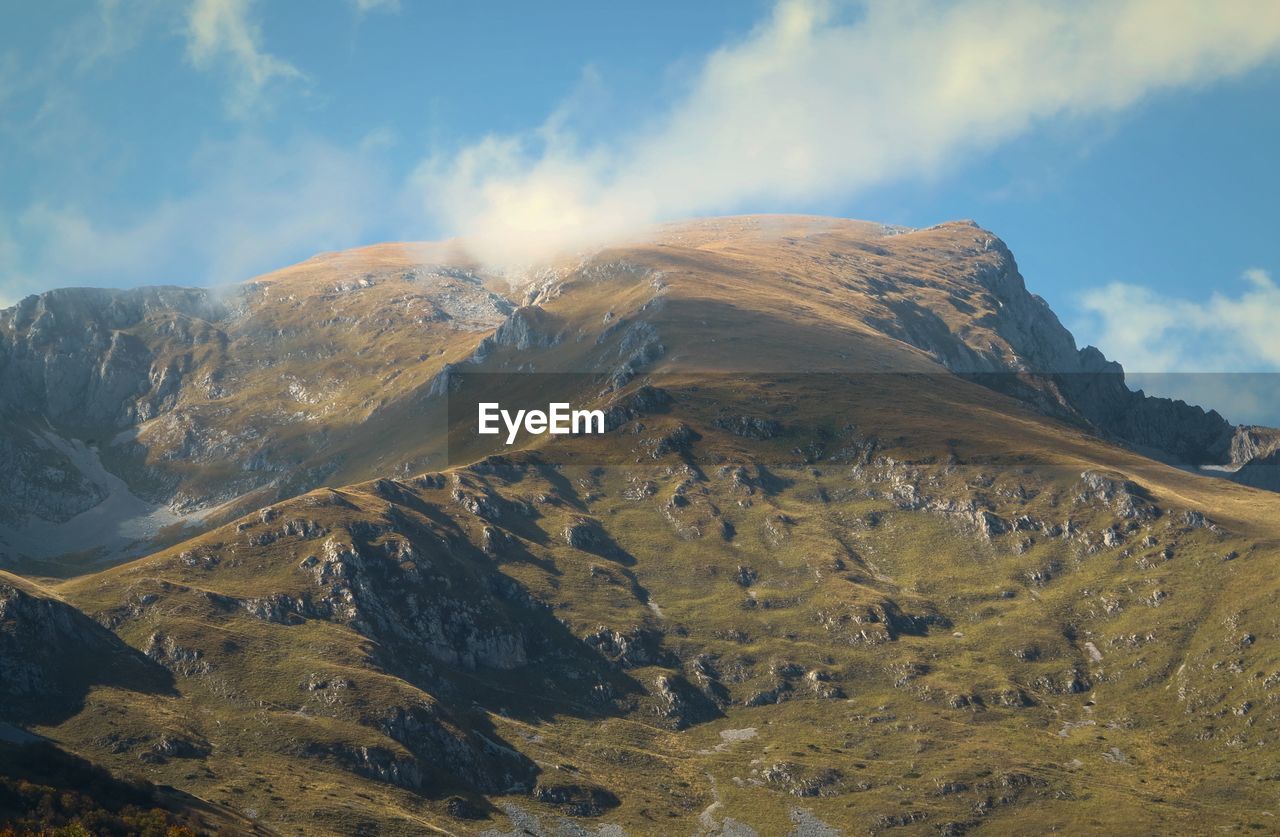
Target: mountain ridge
{"points": [[811, 577], [164, 379]]}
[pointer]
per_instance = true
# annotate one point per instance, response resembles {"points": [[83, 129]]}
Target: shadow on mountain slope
{"points": [[51, 655]]}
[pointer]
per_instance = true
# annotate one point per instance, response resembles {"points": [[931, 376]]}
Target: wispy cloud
{"points": [[220, 33], [366, 6], [267, 208], [108, 30], [1222, 351], [1156, 333], [826, 98], [39, 87], [821, 100]]}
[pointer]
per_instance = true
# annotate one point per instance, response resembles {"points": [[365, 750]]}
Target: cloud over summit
{"points": [[824, 99], [817, 103]]}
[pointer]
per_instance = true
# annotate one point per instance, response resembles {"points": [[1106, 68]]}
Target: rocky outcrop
{"points": [[642, 401], [1127, 499], [1252, 442], [638, 345], [577, 800], [1263, 472], [387, 593], [469, 759], [1015, 344], [799, 780], [51, 654], [750, 427], [628, 649], [71, 356], [527, 328], [680, 704], [37, 479], [873, 623], [586, 534]]}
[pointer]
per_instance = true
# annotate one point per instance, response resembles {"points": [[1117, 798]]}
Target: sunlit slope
{"points": [[907, 602], [210, 404]]}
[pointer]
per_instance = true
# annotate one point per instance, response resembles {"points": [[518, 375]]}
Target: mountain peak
{"points": [[836, 457], [282, 378]]}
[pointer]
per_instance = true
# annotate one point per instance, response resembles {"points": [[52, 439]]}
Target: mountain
{"points": [[144, 411], [869, 546], [1261, 471], [155, 411]]}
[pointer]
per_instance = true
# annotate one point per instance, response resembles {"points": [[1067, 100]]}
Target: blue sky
{"points": [[1125, 150]]}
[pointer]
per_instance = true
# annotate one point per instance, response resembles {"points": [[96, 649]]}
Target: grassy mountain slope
{"points": [[809, 577], [155, 413], [208, 404]]}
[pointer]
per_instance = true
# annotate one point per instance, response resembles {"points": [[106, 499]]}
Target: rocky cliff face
{"points": [[214, 404], [38, 480], [88, 357], [1013, 342], [770, 579], [89, 362], [198, 399], [1262, 472], [1253, 442]]}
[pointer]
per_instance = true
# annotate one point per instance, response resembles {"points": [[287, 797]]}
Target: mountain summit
{"points": [[869, 544], [131, 416]]}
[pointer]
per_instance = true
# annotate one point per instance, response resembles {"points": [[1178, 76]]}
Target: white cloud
{"points": [[1155, 333], [819, 101], [220, 32], [825, 99], [366, 6]]}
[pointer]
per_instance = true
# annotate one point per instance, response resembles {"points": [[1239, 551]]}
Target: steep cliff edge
{"points": [[990, 328]]}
